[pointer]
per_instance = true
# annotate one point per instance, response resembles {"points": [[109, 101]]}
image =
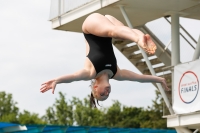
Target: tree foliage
{"points": [[60, 113], [84, 115], [9, 112], [78, 112], [154, 114], [29, 118], [8, 108]]}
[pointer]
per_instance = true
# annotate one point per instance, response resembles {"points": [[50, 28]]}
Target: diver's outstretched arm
{"points": [[131, 76], [77, 76]]}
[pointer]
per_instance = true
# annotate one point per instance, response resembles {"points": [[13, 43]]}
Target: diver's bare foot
{"points": [[151, 46], [142, 42], [146, 43]]}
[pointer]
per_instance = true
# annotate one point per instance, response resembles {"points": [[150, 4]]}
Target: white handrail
{"points": [[197, 50], [59, 7]]}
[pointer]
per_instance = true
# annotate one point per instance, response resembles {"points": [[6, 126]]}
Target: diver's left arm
{"points": [[127, 75]]}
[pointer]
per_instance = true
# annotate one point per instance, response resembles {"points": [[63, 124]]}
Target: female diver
{"points": [[100, 63]]}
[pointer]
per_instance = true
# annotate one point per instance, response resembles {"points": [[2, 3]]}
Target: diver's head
{"points": [[100, 89]]}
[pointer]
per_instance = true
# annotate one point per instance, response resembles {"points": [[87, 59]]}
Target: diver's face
{"points": [[102, 91]]}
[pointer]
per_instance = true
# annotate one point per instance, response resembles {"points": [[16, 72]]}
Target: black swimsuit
{"points": [[101, 53]]}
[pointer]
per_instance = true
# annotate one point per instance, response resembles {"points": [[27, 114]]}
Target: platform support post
{"points": [[175, 53], [175, 45]]}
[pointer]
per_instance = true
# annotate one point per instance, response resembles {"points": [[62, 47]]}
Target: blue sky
{"points": [[32, 53]]}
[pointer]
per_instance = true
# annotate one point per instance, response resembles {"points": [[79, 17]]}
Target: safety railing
{"points": [[161, 28], [59, 7], [182, 35]]}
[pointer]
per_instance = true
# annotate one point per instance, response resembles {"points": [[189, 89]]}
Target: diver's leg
{"points": [[99, 25], [116, 22]]}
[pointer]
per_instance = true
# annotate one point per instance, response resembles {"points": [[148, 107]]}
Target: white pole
{"points": [[126, 17], [197, 51], [175, 45], [175, 53], [175, 56]]}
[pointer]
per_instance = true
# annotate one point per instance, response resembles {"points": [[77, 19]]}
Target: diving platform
{"points": [[68, 15], [188, 120]]}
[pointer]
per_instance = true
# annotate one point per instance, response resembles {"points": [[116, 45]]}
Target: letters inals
{"points": [[186, 87]]}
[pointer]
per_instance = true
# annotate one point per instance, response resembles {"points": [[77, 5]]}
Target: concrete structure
{"points": [[68, 15]]}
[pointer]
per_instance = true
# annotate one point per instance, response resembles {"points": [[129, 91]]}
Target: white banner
{"points": [[186, 87]]}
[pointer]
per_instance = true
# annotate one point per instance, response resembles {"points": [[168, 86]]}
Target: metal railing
{"points": [[162, 29], [59, 7], [186, 32]]}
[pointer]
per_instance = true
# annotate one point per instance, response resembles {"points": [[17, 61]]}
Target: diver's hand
{"points": [[48, 85], [164, 84]]}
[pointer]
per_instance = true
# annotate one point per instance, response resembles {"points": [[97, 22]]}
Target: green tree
{"points": [[60, 113], [79, 112], [27, 118], [8, 108], [130, 117], [50, 116], [113, 114], [153, 115], [9, 112], [86, 116], [119, 115]]}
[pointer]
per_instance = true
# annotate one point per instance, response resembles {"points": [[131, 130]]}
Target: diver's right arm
{"points": [[83, 74]]}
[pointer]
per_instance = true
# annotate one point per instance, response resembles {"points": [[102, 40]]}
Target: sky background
{"points": [[31, 52]]}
